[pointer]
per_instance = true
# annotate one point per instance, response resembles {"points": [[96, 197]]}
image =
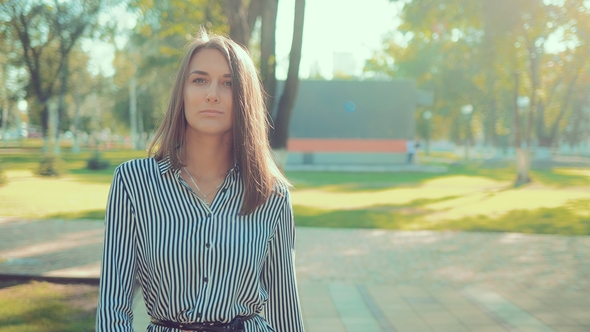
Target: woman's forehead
{"points": [[208, 58]]}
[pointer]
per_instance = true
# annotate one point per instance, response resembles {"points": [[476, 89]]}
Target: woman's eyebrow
{"points": [[204, 73], [200, 72]]}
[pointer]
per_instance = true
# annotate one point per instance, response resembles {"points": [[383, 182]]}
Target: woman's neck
{"points": [[208, 157]]}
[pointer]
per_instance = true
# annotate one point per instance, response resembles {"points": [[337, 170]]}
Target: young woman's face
{"points": [[208, 101]]}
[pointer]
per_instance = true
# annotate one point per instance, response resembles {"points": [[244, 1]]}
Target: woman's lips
{"points": [[211, 112]]}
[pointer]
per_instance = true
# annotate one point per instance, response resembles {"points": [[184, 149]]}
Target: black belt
{"points": [[236, 325]]}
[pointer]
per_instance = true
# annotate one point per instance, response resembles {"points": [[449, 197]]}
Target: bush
{"points": [[97, 162], [51, 166]]}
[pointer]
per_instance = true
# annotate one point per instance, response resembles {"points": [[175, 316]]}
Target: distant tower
{"points": [[344, 65], [315, 72]]}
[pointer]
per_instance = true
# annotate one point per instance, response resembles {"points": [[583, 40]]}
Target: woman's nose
{"points": [[212, 94]]}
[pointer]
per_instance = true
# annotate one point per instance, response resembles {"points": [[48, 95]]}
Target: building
{"points": [[352, 122]]}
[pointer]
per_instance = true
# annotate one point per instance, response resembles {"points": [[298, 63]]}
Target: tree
{"points": [[241, 20], [10, 78], [268, 61], [278, 140], [240, 23], [150, 57], [491, 54], [46, 35]]}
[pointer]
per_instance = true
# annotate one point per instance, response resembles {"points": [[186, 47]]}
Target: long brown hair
{"points": [[250, 123]]}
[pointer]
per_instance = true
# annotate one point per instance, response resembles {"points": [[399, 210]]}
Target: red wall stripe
{"points": [[346, 145]]}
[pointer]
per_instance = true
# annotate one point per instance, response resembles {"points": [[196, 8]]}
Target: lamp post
{"points": [[523, 103], [522, 148], [427, 115], [466, 110]]}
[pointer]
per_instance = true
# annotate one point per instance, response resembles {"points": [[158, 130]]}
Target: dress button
{"points": [[223, 190], [205, 279], [209, 215], [207, 245]]}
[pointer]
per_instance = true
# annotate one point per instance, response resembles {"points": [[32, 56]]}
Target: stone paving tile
{"points": [[568, 328], [578, 315], [552, 318], [449, 327], [525, 261], [401, 314], [487, 328], [319, 312], [38, 247], [504, 311], [417, 279], [353, 311]]}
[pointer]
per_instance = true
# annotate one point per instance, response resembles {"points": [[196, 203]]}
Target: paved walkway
{"points": [[375, 280]]}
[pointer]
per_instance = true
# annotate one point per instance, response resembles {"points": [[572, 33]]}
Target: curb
{"points": [[56, 280]]}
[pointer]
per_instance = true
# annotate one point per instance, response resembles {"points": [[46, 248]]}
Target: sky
{"points": [[354, 27], [343, 26]]}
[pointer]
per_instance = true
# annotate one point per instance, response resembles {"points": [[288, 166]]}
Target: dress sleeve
{"points": [[282, 310], [117, 280]]}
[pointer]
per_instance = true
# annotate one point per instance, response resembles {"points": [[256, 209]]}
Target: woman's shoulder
{"points": [[281, 188], [137, 166]]}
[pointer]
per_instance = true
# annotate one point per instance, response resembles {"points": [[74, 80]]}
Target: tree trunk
{"points": [[45, 120], [140, 130], [542, 137], [4, 106], [563, 109], [279, 138], [267, 52], [241, 21], [534, 61], [489, 57], [52, 126], [5, 122], [60, 106], [133, 113], [522, 153], [523, 161], [78, 102]]}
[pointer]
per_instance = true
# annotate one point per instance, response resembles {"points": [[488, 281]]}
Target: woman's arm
{"points": [[282, 310], [117, 280]]}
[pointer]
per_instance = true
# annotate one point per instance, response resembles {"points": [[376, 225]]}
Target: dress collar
{"points": [[165, 165]]}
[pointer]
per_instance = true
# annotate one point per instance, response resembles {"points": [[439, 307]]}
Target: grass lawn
{"points": [[471, 197], [42, 306]]}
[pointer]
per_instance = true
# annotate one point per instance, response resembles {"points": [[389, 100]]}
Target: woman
{"points": [[206, 224]]}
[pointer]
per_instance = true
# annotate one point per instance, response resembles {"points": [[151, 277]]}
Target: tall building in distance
{"points": [[344, 65]]}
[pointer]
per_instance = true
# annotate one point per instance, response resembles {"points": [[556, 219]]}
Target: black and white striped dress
{"points": [[195, 263]]}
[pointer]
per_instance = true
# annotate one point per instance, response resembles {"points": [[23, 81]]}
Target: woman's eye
{"points": [[199, 80], [228, 83]]}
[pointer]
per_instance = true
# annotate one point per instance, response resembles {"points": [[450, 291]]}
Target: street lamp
{"points": [[427, 115], [466, 110], [523, 103]]}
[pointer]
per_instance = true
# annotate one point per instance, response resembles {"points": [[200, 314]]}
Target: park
{"points": [[485, 227]]}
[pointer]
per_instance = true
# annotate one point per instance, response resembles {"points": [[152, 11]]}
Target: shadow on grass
{"points": [[571, 219], [88, 176], [352, 181], [556, 221], [385, 217], [560, 178], [45, 307], [30, 158], [89, 215]]}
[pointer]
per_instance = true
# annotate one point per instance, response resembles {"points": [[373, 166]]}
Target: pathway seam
{"points": [[375, 310]]}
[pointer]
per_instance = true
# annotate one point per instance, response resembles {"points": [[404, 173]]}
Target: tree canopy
{"points": [[475, 52]]}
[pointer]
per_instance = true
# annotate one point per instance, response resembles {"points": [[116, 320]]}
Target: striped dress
{"points": [[195, 263]]}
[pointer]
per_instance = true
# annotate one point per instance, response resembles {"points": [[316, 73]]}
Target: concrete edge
{"points": [[56, 280]]}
